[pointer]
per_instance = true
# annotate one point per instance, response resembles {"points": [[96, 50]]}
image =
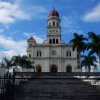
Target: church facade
{"points": [[53, 55]]}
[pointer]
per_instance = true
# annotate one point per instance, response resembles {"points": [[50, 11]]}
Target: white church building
{"points": [[53, 55]]}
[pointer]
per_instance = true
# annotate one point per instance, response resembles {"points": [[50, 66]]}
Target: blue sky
{"points": [[20, 19]]}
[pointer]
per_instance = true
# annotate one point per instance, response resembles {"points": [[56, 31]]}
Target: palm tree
{"points": [[22, 61], [78, 43], [25, 62], [17, 60], [94, 45], [8, 62], [88, 61]]}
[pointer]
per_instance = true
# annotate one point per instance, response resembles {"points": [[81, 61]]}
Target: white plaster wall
{"points": [[60, 59]]}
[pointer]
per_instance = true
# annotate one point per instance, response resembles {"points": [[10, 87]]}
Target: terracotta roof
{"points": [[31, 39], [54, 13]]}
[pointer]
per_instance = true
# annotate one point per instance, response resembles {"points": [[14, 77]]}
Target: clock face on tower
{"points": [[53, 52]]}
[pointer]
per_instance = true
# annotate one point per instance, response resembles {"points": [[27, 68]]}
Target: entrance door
{"points": [[38, 69], [68, 69], [53, 68]]}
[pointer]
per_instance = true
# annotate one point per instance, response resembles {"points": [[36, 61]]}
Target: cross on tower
{"points": [[53, 3]]}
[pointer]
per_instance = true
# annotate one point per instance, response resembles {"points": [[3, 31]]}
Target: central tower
{"points": [[54, 28], [53, 55]]}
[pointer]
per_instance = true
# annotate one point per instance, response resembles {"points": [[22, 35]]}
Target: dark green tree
{"points": [[8, 62], [17, 60], [22, 61], [78, 43], [94, 45], [88, 61]]}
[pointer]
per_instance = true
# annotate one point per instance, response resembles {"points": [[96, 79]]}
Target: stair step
{"points": [[59, 89]]}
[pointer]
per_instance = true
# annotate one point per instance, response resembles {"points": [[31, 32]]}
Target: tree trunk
{"points": [[89, 68], [79, 62], [99, 61]]}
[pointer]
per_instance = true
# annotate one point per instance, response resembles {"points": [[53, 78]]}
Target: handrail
{"points": [[59, 73]]}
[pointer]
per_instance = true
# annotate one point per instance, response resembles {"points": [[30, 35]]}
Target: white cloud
{"points": [[36, 37], [12, 47], [9, 13], [38, 11], [71, 24], [18, 2], [93, 15], [2, 30], [9, 54]]}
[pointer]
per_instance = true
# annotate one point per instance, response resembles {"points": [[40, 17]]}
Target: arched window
{"points": [[53, 41], [49, 24], [39, 54], [68, 53], [78, 56], [53, 23], [56, 41], [50, 41], [29, 55]]}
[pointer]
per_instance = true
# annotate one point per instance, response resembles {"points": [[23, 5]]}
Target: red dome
{"points": [[54, 13]]}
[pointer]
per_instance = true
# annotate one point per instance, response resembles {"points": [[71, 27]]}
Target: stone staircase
{"points": [[55, 88]]}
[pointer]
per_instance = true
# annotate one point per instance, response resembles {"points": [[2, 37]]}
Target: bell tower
{"points": [[54, 28]]}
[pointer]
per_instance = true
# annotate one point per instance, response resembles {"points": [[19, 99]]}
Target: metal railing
{"points": [[11, 87]]}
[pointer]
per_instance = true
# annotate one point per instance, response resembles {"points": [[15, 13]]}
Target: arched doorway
{"points": [[68, 69], [53, 68], [38, 68]]}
